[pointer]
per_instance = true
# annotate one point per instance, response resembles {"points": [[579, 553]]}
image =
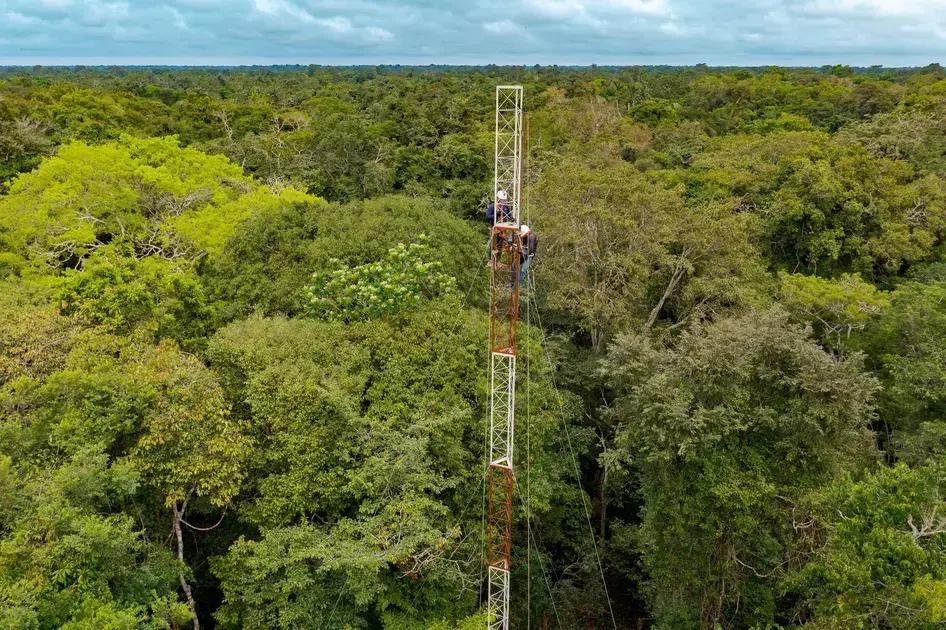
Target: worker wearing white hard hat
{"points": [[499, 211]]}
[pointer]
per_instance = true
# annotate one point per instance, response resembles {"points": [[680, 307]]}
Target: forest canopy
{"points": [[243, 359]]}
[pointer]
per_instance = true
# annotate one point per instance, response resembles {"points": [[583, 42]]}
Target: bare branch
{"points": [[931, 526]]}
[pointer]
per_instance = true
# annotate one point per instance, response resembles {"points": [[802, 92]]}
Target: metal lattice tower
{"points": [[505, 258], [508, 162]]}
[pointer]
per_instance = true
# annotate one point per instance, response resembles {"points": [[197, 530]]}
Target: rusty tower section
{"points": [[505, 258]]}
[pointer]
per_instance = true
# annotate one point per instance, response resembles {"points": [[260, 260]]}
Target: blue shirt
{"points": [[505, 213]]}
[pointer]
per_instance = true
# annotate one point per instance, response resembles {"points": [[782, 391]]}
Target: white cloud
{"points": [[503, 27], [98, 14], [299, 21], [282, 9], [337, 24], [936, 29], [378, 34], [179, 20], [343, 26], [681, 30], [593, 9], [647, 7], [889, 8], [556, 9], [567, 13], [13, 18], [597, 17], [673, 28], [200, 4]]}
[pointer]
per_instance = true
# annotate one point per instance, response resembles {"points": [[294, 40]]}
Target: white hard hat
{"points": [[501, 195], [524, 228]]}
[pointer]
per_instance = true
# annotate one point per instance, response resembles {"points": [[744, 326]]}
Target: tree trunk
{"points": [[674, 280], [178, 515]]}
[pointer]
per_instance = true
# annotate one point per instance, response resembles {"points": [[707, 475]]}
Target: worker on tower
{"points": [[530, 242], [499, 211]]}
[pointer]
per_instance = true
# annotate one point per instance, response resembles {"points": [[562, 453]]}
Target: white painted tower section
{"points": [[508, 162]]}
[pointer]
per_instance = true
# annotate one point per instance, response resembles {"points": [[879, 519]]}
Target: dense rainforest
{"points": [[243, 358]]}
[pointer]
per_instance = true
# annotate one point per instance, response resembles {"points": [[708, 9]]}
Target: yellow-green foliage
{"points": [[212, 225], [838, 307], [164, 199]]}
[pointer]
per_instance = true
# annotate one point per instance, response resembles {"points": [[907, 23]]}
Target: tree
{"points": [[372, 477], [402, 281], [63, 563], [70, 555], [268, 263], [189, 448], [23, 142], [835, 307], [826, 207], [626, 252], [111, 419], [367, 470], [906, 341], [160, 199], [125, 293], [727, 428], [873, 553], [914, 135]]}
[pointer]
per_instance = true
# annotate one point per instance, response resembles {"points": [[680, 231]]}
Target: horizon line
{"points": [[287, 64]]}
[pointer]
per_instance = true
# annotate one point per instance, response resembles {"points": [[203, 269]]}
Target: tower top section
{"points": [[508, 165]]}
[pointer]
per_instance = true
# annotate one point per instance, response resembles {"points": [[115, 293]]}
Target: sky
{"points": [[565, 32]]}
